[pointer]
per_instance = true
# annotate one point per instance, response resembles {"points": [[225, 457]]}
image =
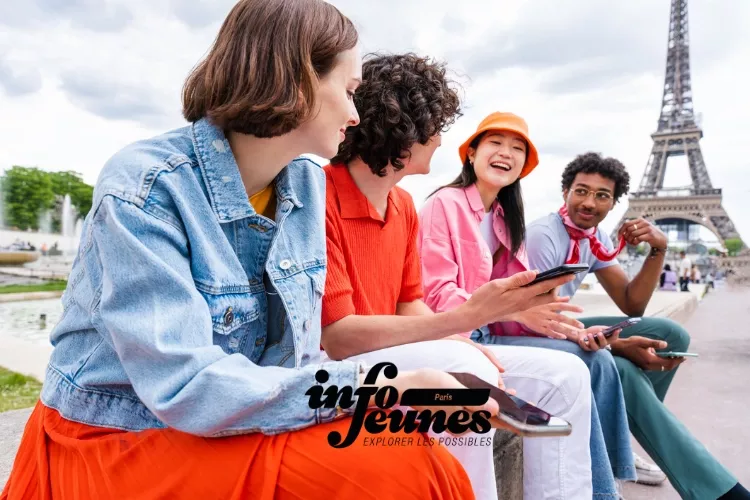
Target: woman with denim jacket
{"points": [[191, 325], [471, 231]]}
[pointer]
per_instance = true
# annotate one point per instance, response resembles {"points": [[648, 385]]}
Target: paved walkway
{"points": [[710, 394]]}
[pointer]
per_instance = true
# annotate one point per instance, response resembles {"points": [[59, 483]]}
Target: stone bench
{"points": [[11, 428], [508, 451]]}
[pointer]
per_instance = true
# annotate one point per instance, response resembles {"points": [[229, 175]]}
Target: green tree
{"points": [[71, 183], [27, 192], [734, 245]]}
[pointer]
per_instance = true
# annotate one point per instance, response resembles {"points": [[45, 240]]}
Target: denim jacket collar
{"points": [[226, 190]]}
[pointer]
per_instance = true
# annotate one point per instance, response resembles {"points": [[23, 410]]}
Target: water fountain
{"points": [[78, 230], [45, 222], [12, 256], [67, 222], [2, 210]]}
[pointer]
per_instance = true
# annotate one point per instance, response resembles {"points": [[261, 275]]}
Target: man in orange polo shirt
{"points": [[372, 307]]}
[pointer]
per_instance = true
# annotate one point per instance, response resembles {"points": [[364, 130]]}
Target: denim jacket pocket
{"points": [[232, 315]]}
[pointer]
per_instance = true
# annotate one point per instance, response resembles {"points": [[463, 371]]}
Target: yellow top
{"points": [[264, 202]]}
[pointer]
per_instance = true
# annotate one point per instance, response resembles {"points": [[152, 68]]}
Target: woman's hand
{"points": [[428, 378], [548, 319], [500, 299]]}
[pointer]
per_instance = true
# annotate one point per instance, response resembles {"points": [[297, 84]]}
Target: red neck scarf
{"points": [[577, 234]]}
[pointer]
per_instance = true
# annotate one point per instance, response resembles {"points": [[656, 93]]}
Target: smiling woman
{"points": [[191, 326], [472, 231]]}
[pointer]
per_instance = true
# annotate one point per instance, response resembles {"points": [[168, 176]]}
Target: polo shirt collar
{"points": [[352, 203]]}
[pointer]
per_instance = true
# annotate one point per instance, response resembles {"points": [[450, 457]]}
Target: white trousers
{"points": [[557, 382]]}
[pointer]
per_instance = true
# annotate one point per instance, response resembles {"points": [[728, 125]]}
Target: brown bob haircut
{"points": [[260, 76]]}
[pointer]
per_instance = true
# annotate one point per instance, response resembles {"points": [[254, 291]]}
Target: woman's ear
{"points": [[471, 154]]}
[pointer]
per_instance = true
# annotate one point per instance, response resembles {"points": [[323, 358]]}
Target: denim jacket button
{"points": [[228, 317], [285, 264], [306, 324]]}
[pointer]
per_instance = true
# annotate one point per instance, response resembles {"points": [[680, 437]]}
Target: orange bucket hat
{"points": [[505, 121]]}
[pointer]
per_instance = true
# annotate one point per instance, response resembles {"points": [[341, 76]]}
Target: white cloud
{"points": [[80, 79]]}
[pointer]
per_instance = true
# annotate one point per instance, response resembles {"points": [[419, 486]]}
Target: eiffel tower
{"points": [[679, 134]]}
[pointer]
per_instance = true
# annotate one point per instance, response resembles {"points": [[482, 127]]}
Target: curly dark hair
{"points": [[595, 163], [404, 99]]}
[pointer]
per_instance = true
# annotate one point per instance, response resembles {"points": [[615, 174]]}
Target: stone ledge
{"points": [[20, 297], [508, 448], [11, 429]]}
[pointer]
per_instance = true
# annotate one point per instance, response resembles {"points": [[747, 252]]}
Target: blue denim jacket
{"points": [[166, 320]]}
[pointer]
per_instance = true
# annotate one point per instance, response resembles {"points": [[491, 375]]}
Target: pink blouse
{"points": [[456, 260]]}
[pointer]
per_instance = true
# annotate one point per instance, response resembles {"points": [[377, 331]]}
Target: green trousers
{"points": [[691, 469]]}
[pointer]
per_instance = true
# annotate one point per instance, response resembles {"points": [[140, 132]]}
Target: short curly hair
{"points": [[595, 163], [403, 100]]}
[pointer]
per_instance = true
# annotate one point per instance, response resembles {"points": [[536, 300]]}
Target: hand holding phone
{"points": [[524, 418], [559, 271], [672, 354], [621, 325], [503, 298]]}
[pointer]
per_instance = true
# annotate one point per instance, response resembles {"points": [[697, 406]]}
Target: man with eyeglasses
{"points": [[591, 186]]}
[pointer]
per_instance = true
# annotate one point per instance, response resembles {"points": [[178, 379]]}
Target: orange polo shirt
{"points": [[373, 263]]}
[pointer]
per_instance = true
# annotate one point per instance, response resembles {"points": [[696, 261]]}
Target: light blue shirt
{"points": [[548, 244], [168, 320]]}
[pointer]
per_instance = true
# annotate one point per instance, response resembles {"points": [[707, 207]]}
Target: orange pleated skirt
{"points": [[60, 459]]}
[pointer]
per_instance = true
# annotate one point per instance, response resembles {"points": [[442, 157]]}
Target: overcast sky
{"points": [[79, 79]]}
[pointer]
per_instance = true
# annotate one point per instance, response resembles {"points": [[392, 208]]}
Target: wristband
{"points": [[657, 251]]}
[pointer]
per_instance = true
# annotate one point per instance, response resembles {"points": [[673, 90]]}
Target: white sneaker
{"points": [[647, 473], [620, 489]]}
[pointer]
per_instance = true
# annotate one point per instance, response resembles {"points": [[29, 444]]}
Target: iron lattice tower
{"points": [[677, 134]]}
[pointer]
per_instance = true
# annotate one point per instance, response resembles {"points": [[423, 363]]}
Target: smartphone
{"points": [[622, 324], [677, 354], [527, 419], [559, 271]]}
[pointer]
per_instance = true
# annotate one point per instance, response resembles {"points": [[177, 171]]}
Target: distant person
{"points": [[695, 274], [668, 279], [685, 266], [591, 186]]}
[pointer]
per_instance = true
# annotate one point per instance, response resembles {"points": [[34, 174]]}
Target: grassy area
{"points": [[17, 391], [50, 286]]}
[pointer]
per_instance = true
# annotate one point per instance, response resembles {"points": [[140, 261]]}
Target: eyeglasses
{"points": [[599, 196]]}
